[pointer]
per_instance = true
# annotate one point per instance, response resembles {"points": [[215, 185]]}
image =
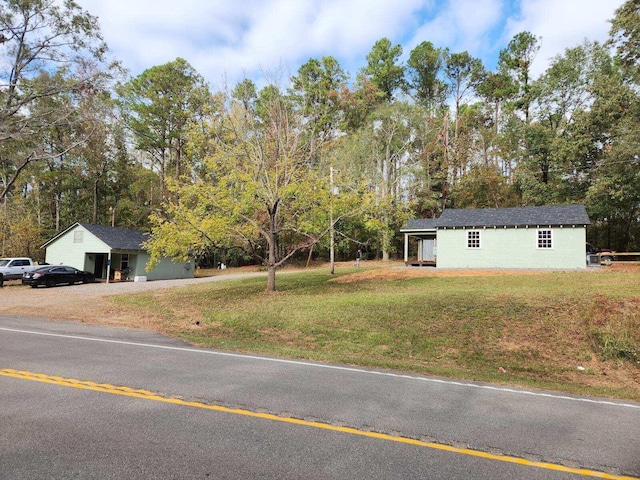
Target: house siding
{"points": [[165, 269], [512, 248], [65, 250]]}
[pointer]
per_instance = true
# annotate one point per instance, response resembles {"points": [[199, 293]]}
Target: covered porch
{"points": [[114, 266], [420, 238]]}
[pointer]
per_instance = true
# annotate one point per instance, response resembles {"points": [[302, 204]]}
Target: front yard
{"points": [[576, 331]]}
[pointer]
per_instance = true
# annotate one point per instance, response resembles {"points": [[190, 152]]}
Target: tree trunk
{"points": [[271, 266], [272, 241], [386, 243], [271, 278]]}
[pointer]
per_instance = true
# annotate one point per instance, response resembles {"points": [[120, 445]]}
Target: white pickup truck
{"points": [[13, 268]]}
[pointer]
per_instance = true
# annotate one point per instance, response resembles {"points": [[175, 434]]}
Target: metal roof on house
{"points": [[118, 238], [505, 217]]}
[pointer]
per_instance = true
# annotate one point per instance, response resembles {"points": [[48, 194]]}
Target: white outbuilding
{"points": [[111, 253], [520, 237]]}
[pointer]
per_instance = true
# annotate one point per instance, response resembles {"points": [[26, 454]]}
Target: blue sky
{"points": [[227, 40]]}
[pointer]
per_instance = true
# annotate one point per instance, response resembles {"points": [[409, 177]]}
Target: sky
{"points": [[229, 40]]}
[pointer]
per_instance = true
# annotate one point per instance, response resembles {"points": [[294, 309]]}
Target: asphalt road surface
{"points": [[83, 401]]}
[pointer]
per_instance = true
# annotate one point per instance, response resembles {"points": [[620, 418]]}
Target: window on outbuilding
{"points": [[545, 239], [473, 239]]}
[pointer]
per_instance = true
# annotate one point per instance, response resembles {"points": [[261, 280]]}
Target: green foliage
{"points": [[258, 190], [464, 73], [158, 106], [383, 69], [316, 89], [625, 34], [378, 154], [497, 87], [50, 48], [246, 93], [516, 61], [423, 72], [484, 186], [21, 233], [358, 104]]}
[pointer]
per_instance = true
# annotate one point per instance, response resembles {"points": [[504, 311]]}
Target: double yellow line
{"points": [[147, 395]]}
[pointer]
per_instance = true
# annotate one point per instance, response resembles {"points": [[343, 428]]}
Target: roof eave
{"points": [[418, 230]]}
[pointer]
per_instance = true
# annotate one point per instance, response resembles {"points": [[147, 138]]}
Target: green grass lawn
{"points": [[531, 329]]}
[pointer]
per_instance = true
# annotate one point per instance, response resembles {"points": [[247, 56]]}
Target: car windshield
{"points": [[4, 262]]}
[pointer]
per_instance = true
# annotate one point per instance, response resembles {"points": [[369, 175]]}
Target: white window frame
{"points": [[544, 239], [474, 239]]}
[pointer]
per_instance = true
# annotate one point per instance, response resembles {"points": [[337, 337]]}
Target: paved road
{"points": [[71, 406]]}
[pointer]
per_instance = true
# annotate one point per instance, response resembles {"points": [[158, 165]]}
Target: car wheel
{"points": [[1, 280], [33, 286], [49, 283], [606, 259]]}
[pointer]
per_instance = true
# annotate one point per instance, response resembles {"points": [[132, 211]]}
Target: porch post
{"points": [[406, 248], [108, 266]]}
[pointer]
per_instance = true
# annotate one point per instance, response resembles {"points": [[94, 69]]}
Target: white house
{"points": [[110, 252], [520, 237]]}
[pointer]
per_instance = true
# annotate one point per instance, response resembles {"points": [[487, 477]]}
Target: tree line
{"points": [[311, 163]]}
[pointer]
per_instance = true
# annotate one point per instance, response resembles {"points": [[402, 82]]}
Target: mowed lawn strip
{"points": [[577, 332]]}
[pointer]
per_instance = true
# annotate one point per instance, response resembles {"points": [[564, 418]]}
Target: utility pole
{"points": [[331, 232]]}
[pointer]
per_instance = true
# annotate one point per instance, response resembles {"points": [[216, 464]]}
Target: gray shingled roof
{"points": [[421, 224], [118, 238], [516, 216], [505, 217]]}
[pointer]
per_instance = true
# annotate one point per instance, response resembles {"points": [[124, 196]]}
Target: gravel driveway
{"points": [[85, 302]]}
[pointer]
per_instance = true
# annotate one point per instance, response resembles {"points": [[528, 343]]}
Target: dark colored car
{"points": [[56, 275]]}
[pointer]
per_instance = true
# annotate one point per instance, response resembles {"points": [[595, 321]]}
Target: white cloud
{"points": [[475, 19], [462, 25], [231, 39], [234, 38], [562, 24]]}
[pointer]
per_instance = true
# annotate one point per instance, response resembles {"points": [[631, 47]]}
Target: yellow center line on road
{"points": [[147, 395]]}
